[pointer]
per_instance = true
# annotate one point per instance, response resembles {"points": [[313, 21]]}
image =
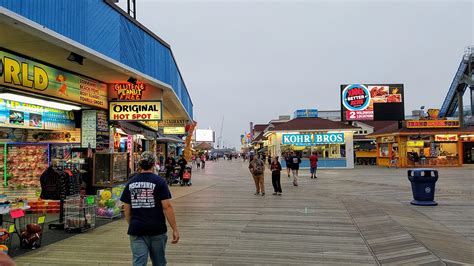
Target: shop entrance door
{"points": [[468, 152]]}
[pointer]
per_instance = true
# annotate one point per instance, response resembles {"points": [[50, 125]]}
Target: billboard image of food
{"points": [[357, 100]]}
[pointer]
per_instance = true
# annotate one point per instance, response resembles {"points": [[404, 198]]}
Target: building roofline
{"points": [[152, 34]]}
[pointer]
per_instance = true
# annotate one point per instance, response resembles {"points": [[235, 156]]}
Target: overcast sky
{"points": [[254, 60]]}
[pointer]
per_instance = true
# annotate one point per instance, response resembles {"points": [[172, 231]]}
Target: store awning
{"points": [[168, 139], [132, 129]]}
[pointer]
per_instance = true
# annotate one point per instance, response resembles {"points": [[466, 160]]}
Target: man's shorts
{"points": [[313, 170]]}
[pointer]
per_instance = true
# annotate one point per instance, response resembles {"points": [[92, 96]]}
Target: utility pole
{"points": [[220, 141]]}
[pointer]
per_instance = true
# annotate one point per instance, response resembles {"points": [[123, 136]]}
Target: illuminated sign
{"points": [[25, 74], [23, 115], [415, 143], [174, 130], [433, 124], [312, 139], [357, 100], [204, 135], [135, 111], [446, 137], [129, 91], [433, 113]]}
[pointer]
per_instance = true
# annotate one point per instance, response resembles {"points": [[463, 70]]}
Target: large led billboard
{"points": [[204, 135], [372, 102]]}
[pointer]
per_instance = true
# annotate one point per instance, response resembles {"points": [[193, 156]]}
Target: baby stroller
{"points": [[186, 181], [174, 176]]}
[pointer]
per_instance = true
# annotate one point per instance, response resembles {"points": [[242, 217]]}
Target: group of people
{"points": [[257, 169], [199, 160], [171, 164]]}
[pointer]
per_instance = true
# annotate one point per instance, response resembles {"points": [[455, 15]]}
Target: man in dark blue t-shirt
{"points": [[146, 201]]}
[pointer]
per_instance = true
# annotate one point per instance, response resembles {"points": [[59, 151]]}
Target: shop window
{"points": [[383, 150]]}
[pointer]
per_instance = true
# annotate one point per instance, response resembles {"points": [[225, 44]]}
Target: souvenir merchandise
{"points": [[25, 163], [109, 205], [31, 229]]}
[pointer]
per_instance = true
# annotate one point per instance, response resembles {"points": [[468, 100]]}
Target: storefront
{"points": [[171, 133], [57, 84], [424, 143], [42, 111], [134, 110], [332, 141], [468, 148]]}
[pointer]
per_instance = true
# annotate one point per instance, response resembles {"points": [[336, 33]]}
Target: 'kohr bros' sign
{"points": [[312, 139]]}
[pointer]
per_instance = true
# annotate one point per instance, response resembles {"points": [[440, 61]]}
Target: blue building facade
{"points": [[100, 26]]}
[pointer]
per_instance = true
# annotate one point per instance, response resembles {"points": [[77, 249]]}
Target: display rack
{"points": [[80, 213], [110, 169]]}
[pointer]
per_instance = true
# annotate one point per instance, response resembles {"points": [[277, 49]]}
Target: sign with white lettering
{"points": [[312, 139], [358, 100], [135, 110], [450, 137]]}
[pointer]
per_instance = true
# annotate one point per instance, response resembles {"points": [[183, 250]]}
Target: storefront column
{"points": [[460, 152], [277, 142], [349, 139]]}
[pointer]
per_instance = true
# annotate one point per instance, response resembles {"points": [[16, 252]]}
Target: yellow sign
{"points": [[174, 130], [41, 219], [11, 229], [446, 137], [29, 75], [173, 122], [415, 143], [433, 124], [433, 113], [135, 111]]}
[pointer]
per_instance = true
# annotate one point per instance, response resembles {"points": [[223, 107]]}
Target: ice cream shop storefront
{"points": [[332, 141]]}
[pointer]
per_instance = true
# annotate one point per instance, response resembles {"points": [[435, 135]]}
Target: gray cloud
{"points": [[251, 61]]}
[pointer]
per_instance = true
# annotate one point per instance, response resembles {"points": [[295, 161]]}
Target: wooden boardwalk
{"points": [[361, 216]]}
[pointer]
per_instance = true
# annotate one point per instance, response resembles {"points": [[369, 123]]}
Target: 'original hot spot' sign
{"points": [[135, 110], [312, 139]]}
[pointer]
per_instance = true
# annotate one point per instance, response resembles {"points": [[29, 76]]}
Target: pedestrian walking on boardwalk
{"points": [[147, 203], [198, 162], [203, 161], [269, 159], [393, 160], [313, 160], [257, 169], [275, 166], [288, 163], [295, 167]]}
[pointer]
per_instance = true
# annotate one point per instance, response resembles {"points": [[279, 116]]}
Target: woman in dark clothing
{"points": [[182, 164], [288, 163], [275, 167]]}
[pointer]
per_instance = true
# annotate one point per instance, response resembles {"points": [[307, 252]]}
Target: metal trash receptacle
{"points": [[423, 186]]}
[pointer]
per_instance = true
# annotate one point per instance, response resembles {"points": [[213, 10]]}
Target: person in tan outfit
{"points": [[257, 168]]}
